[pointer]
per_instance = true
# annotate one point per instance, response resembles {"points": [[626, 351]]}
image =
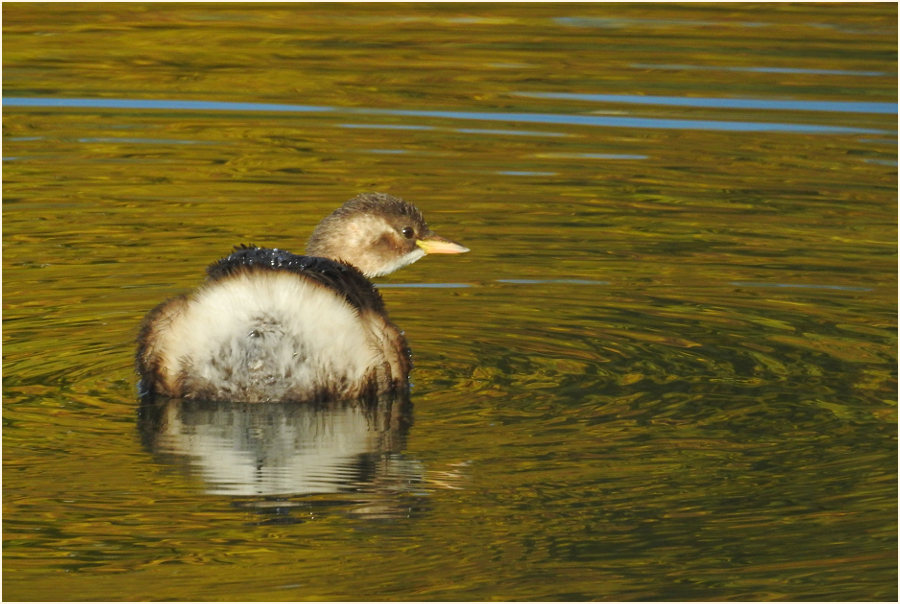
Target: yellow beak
{"points": [[435, 244]]}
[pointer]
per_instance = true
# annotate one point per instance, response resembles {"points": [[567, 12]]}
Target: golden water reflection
{"points": [[666, 371]]}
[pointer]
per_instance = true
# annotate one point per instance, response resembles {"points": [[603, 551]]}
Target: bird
{"points": [[268, 325]]}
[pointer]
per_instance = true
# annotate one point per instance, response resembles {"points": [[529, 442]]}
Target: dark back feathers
{"points": [[340, 277]]}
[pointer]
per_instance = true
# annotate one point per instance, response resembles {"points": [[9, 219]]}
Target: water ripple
{"points": [[797, 70], [530, 118], [721, 103], [846, 288]]}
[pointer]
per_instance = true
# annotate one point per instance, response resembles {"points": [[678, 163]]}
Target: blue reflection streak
{"points": [[597, 156], [525, 173], [619, 22], [386, 127], [721, 103], [846, 288], [422, 285], [508, 132], [542, 281], [629, 122], [797, 70], [532, 118]]}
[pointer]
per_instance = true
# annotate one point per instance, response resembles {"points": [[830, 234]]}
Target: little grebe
{"points": [[268, 325]]}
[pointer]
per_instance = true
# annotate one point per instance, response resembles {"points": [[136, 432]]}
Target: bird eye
{"points": [[408, 232]]}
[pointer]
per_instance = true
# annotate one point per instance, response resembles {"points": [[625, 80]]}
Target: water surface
{"points": [[667, 369]]}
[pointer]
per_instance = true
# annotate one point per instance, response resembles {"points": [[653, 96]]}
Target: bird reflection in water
{"points": [[280, 459]]}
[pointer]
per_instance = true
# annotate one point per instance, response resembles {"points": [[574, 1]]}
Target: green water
{"points": [[667, 370]]}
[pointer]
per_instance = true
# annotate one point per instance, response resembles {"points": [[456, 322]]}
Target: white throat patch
{"points": [[402, 261]]}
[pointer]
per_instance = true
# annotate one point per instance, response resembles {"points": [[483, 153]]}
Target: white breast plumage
{"points": [[266, 336]]}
